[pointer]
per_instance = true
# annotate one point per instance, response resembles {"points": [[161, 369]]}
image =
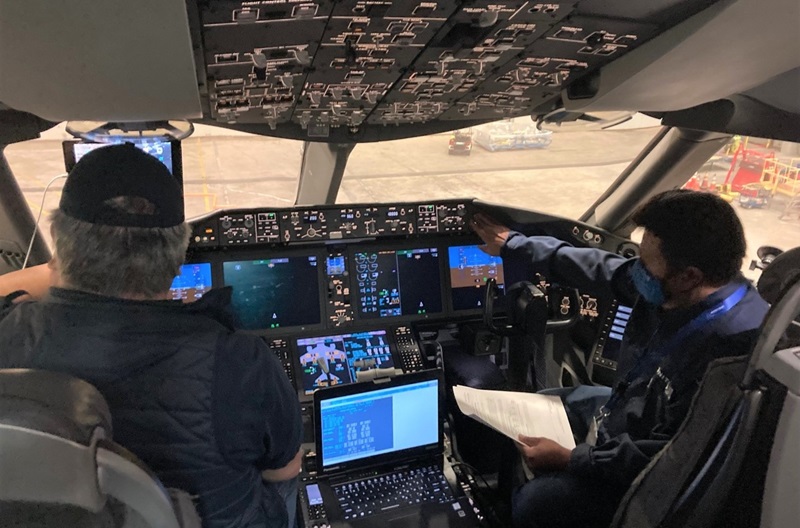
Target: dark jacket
{"points": [[652, 406], [205, 407]]}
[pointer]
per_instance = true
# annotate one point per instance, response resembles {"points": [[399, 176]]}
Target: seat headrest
{"points": [[53, 403], [778, 274]]}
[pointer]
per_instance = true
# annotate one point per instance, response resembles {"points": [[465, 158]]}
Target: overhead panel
{"points": [[258, 55], [367, 47], [447, 78], [350, 70]]}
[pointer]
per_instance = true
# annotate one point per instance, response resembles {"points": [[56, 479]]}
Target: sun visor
{"points": [[86, 60]]}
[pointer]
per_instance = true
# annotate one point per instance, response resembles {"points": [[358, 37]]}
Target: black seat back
{"points": [[60, 467], [713, 472]]}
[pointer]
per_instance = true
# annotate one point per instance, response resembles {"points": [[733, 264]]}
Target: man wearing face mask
{"points": [[690, 305]]}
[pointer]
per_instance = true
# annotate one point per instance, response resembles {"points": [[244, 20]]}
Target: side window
{"points": [[222, 169], [761, 179]]}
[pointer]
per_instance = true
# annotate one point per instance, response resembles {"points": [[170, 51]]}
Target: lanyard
{"points": [[650, 360]]}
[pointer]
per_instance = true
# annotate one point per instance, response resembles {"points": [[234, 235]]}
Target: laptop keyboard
{"points": [[392, 491]]}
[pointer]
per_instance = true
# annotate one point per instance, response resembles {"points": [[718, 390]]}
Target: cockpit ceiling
{"points": [[341, 69], [369, 70]]}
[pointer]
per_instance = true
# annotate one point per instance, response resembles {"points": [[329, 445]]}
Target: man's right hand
{"points": [[494, 235], [543, 453]]}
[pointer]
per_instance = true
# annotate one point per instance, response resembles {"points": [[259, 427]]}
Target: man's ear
{"points": [[691, 277]]}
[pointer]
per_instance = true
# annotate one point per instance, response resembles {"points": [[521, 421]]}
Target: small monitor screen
{"points": [[613, 343], [314, 495], [470, 268], [194, 280], [378, 422], [398, 282], [335, 266], [336, 360], [274, 293], [161, 150]]}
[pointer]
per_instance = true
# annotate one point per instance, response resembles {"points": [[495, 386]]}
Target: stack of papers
{"points": [[516, 413]]}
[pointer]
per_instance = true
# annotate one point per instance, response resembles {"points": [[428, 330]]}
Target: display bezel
{"points": [[467, 241], [398, 246], [211, 275], [355, 388], [335, 332], [278, 253]]}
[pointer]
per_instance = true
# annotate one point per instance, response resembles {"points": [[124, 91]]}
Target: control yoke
{"points": [[524, 299], [526, 327]]}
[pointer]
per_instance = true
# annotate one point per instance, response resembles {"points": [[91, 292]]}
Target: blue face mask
{"points": [[649, 287]]}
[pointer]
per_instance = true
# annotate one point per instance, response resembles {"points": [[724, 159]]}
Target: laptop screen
{"points": [[376, 424]]}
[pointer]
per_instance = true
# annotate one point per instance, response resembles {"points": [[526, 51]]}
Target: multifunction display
{"points": [[193, 281], [336, 360], [274, 293], [470, 268], [398, 282]]}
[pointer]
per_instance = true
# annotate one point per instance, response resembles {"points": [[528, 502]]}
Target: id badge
{"points": [[591, 436], [594, 425]]}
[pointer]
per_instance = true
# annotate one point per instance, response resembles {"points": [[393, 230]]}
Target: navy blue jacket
{"points": [[205, 407], [653, 406]]}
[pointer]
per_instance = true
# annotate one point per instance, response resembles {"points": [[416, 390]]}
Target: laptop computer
{"points": [[380, 456]]}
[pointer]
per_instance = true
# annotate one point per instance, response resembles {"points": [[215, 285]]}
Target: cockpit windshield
{"points": [[561, 171]]}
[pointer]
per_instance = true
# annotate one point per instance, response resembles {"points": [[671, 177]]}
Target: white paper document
{"points": [[515, 413]]}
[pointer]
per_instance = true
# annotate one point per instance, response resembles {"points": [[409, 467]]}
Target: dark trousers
{"points": [[561, 500]]}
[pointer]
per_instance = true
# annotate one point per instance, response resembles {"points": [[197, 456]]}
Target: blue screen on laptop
{"points": [[379, 422]]}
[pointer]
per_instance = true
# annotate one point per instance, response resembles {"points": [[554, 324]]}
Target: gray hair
{"points": [[118, 261]]}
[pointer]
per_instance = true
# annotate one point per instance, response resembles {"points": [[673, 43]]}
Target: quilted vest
{"points": [[154, 364]]}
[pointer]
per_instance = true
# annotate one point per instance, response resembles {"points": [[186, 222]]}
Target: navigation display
{"points": [[398, 282], [335, 360], [274, 293], [193, 281], [470, 268]]}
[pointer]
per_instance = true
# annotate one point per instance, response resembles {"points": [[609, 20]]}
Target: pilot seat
{"points": [[60, 467]]}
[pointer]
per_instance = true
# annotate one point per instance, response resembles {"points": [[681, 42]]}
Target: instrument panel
{"points": [[352, 281]]}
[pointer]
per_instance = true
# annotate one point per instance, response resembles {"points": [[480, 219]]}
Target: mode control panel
{"points": [[363, 222], [268, 228], [322, 223], [427, 220], [337, 274], [304, 225], [237, 229], [394, 220], [452, 217], [442, 218]]}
